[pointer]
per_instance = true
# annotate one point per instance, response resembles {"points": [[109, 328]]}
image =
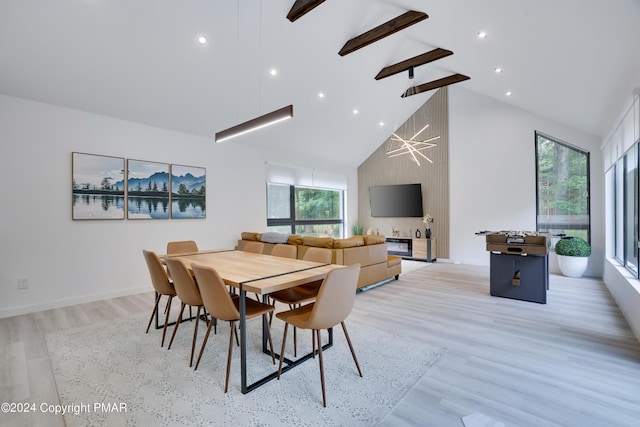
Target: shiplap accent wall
{"points": [[379, 169]]}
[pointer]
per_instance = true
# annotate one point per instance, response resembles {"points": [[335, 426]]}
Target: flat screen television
{"points": [[404, 200]]}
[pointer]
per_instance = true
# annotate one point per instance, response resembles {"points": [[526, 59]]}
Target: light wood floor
{"points": [[571, 362]]}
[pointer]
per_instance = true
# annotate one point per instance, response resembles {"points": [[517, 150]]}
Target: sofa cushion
{"points": [[273, 237], [374, 239], [252, 237], [294, 239], [351, 242], [318, 242]]}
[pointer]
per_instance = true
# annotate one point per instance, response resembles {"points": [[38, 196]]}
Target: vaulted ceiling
{"points": [[570, 60]]}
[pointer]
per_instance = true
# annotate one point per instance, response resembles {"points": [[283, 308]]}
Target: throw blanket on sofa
{"points": [[273, 237]]}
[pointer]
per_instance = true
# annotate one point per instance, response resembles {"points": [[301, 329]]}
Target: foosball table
{"points": [[519, 264]]}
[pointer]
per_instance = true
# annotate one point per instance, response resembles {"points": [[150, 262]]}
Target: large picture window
{"points": [[631, 209], [562, 173], [305, 211]]}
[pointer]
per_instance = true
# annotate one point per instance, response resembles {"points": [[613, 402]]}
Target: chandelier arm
{"points": [[419, 132]]}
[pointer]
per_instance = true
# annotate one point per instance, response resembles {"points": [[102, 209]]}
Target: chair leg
{"points": [[195, 335], [295, 342], [166, 320], [353, 353], [226, 380], [264, 319], [284, 340], [236, 334], [324, 396], [153, 313], [204, 343], [175, 329]]}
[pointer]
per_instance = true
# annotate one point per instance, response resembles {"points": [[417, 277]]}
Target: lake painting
{"points": [[188, 192], [97, 187], [148, 195]]}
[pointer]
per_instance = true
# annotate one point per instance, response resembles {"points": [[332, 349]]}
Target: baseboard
{"points": [[65, 302]]}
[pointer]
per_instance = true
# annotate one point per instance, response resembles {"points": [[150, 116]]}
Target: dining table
{"points": [[260, 274]]}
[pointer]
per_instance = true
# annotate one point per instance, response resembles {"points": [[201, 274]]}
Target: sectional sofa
{"points": [[370, 251]]}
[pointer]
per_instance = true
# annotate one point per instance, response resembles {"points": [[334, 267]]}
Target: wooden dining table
{"points": [[260, 274]]}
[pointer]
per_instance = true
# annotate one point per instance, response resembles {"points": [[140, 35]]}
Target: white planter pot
{"points": [[573, 266]]}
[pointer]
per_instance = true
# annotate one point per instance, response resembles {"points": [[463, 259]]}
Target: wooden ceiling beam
{"points": [[416, 61], [302, 7], [445, 81], [396, 24]]}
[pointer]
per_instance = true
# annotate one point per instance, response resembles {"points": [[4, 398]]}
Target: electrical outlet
{"points": [[23, 283]]}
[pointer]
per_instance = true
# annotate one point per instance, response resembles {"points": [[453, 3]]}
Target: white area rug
{"points": [[116, 362]]}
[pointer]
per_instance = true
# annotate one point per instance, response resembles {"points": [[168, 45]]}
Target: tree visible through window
{"points": [[304, 210], [562, 173]]}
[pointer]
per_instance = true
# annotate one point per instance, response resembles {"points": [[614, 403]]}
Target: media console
{"points": [[414, 249]]}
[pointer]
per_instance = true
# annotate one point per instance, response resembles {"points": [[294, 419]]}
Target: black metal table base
{"points": [[287, 364]]}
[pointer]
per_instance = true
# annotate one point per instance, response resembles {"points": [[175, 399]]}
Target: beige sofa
{"points": [[369, 251]]}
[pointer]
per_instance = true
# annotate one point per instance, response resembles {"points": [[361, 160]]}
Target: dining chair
{"points": [[255, 247], [301, 294], [285, 251], [162, 286], [222, 306], [189, 294], [181, 247], [332, 306]]}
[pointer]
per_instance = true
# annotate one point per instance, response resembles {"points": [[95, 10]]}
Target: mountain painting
{"points": [[97, 187], [188, 192], [148, 195]]}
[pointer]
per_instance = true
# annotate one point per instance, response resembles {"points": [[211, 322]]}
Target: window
{"points": [[562, 173], [305, 210], [631, 209]]}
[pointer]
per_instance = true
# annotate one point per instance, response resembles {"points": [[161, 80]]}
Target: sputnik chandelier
{"points": [[412, 146]]}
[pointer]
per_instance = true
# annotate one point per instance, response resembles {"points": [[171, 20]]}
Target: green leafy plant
{"points": [[573, 246], [356, 229]]}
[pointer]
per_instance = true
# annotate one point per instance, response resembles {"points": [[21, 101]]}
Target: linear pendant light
{"points": [[273, 117]]}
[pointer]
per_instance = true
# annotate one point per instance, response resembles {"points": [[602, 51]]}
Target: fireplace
{"points": [[400, 246]]}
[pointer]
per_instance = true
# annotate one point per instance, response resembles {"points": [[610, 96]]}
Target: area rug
{"points": [[112, 373]]}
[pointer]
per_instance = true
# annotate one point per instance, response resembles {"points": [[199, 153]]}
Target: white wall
{"points": [[67, 262], [492, 171]]}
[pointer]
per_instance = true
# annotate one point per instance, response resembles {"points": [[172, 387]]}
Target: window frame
{"points": [[537, 182], [293, 222]]}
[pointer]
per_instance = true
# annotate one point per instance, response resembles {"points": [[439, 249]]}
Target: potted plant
{"points": [[573, 256], [356, 229]]}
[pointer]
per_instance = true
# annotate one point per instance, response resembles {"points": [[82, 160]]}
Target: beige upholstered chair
{"points": [[297, 295], [285, 251], [332, 306], [162, 286], [181, 247], [308, 291], [255, 247], [189, 294], [220, 305]]}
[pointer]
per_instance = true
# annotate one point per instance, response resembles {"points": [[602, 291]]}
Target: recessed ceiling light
{"points": [[273, 72], [320, 94], [202, 40], [482, 35], [497, 70], [355, 111], [381, 123], [508, 93]]}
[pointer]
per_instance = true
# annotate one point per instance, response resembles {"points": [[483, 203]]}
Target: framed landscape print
{"points": [[188, 192], [148, 195], [97, 187]]}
